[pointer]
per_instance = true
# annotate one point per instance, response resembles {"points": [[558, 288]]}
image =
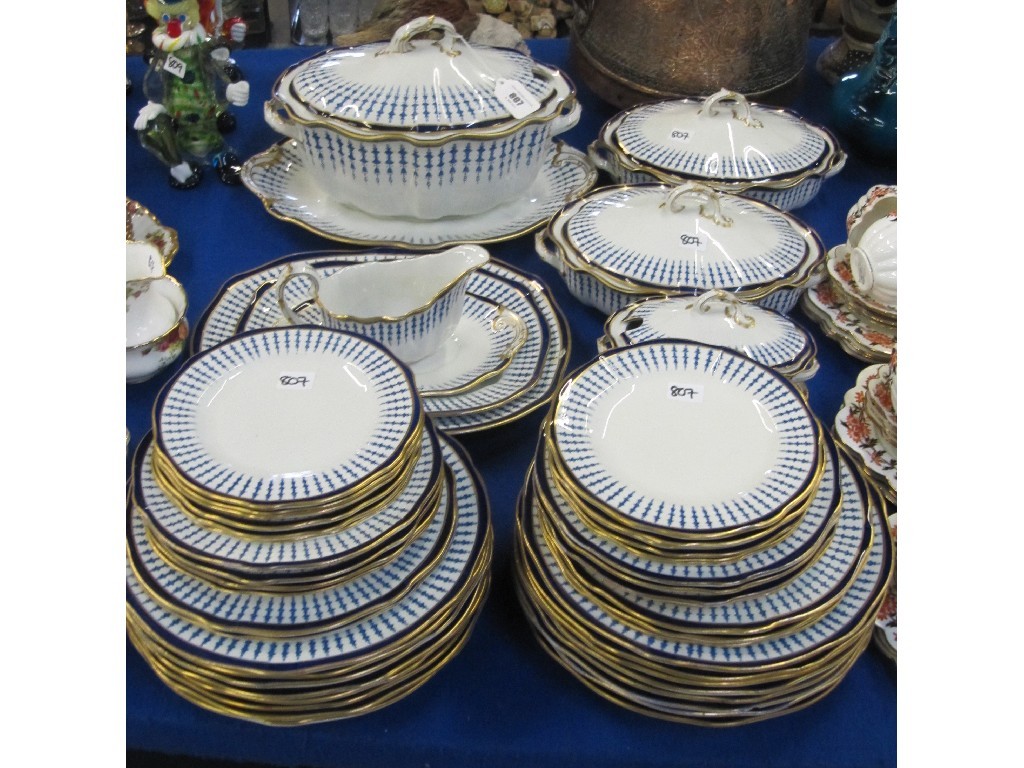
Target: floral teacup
{"points": [[155, 326]]}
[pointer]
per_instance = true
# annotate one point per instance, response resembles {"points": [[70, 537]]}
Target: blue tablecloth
{"points": [[502, 701]]}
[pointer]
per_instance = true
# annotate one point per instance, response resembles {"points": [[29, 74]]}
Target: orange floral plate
{"points": [[860, 336], [857, 434]]}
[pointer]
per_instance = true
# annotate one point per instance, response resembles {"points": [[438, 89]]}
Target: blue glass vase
{"points": [[864, 102]]}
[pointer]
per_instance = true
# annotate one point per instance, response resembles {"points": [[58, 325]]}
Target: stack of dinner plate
{"points": [[691, 544], [302, 544]]}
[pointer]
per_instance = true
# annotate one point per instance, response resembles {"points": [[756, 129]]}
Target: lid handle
{"points": [[735, 309], [708, 198], [401, 41], [708, 107]]}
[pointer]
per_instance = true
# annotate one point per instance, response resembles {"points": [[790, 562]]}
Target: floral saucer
{"points": [[857, 335], [885, 622], [280, 179], [858, 434]]}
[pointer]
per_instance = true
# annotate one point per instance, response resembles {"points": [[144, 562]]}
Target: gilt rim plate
{"points": [[286, 415], [685, 436]]}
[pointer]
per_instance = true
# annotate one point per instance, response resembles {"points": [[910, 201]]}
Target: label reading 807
{"points": [[680, 136], [686, 393], [295, 381]]}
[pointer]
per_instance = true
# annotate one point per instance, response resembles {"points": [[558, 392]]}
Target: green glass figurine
{"points": [[190, 82]]}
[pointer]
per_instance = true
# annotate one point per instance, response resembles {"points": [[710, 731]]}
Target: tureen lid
{"points": [[724, 137], [720, 318], [685, 237], [418, 84]]}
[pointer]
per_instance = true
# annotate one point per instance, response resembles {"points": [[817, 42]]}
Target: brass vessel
{"points": [[632, 51]]}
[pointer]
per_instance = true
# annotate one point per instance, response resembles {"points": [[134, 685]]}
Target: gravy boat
{"points": [[410, 304]]}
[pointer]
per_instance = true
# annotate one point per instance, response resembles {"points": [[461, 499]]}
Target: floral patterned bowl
{"points": [[155, 326]]}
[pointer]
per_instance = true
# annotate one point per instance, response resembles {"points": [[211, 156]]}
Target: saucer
{"points": [[485, 341], [858, 434], [280, 179], [527, 382], [885, 621], [841, 323]]}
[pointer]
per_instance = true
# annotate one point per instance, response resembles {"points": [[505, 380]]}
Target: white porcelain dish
{"points": [[280, 177], [719, 318], [376, 631], [840, 272], [286, 415], [422, 129], [410, 305], [618, 243], [820, 583], [525, 384], [686, 437], [279, 559], [768, 153], [484, 343], [791, 646], [294, 612], [695, 576]]}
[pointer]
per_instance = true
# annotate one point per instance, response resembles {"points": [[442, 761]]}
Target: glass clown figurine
{"points": [[189, 84]]}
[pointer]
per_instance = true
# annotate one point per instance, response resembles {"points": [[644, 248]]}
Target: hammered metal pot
{"points": [[632, 51]]}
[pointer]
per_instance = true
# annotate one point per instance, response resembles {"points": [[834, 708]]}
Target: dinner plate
{"points": [[855, 430], [278, 559], [857, 335], [287, 415], [247, 610], [686, 438], [374, 632], [861, 596], [696, 576], [248, 302], [280, 178]]}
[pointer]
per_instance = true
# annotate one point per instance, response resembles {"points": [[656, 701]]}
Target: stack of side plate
{"points": [[349, 546], [691, 544]]}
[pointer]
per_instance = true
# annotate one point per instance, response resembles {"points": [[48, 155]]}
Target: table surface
{"points": [[501, 701]]}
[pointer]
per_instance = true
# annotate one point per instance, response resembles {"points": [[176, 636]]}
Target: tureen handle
{"points": [[734, 308], [705, 195], [708, 107], [401, 40]]}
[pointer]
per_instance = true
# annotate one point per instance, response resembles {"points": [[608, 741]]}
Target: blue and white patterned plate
{"points": [[177, 530], [248, 302], [287, 415], [240, 610], [809, 591], [320, 650], [789, 645], [279, 178], [686, 437], [754, 568]]}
